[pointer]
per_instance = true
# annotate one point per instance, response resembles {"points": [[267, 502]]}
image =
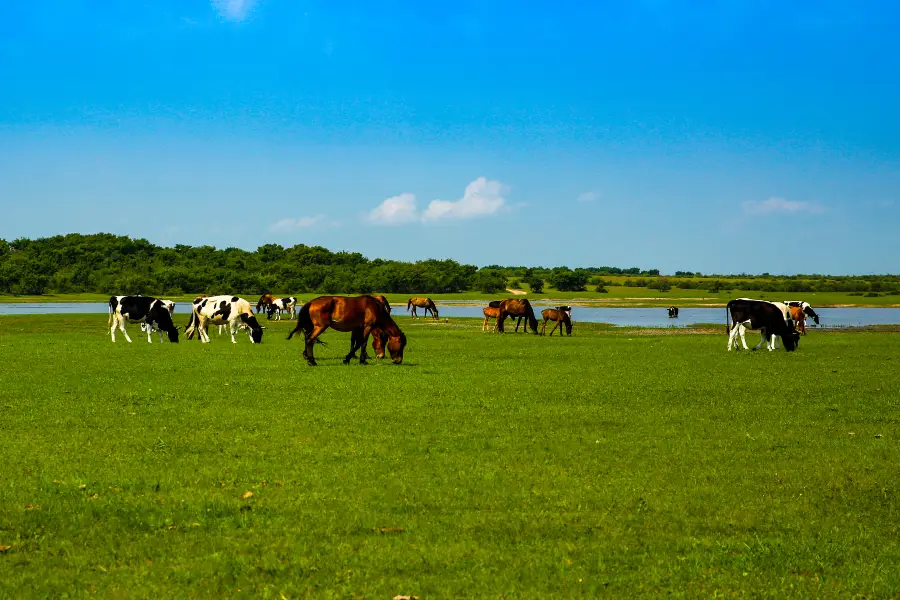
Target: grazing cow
{"points": [[149, 328], [767, 317], [561, 316], [221, 310], [799, 311], [151, 311], [282, 305], [673, 312]]}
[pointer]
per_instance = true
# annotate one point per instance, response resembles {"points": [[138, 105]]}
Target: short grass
{"points": [[613, 463], [615, 296]]}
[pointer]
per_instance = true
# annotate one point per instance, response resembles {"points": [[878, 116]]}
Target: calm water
{"points": [[641, 317]]}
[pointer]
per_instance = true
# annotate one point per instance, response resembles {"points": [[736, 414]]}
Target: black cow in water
{"points": [[673, 312], [768, 317], [151, 311]]}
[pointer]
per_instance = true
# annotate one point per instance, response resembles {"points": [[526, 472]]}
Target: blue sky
{"points": [[707, 136]]}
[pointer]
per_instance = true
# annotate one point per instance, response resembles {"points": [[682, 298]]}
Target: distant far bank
{"points": [[616, 297]]}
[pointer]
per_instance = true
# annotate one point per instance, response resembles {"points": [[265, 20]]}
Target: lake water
{"points": [[634, 317]]}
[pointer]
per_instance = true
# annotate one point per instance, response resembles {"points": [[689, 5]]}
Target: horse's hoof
{"points": [[346, 361]]}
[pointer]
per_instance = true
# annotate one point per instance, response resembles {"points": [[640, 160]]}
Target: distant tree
{"points": [[536, 284], [490, 281]]}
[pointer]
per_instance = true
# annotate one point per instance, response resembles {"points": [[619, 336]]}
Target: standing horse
{"points": [[517, 307], [359, 315], [422, 302], [490, 312], [799, 310], [561, 315]]}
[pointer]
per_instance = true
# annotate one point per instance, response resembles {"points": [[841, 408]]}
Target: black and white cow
{"points": [[154, 313], [221, 310], [673, 312], [149, 329], [282, 305], [770, 318]]}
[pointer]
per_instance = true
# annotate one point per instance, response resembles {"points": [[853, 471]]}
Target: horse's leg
{"points": [[310, 342], [363, 355], [544, 327], [555, 325], [354, 344]]}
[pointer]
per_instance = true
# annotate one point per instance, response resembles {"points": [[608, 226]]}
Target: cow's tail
{"points": [[109, 322], [191, 327], [727, 314], [304, 321], [529, 314]]}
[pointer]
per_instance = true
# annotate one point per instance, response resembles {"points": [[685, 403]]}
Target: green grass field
{"points": [[613, 463]]}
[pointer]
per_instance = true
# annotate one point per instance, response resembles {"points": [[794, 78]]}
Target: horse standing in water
{"points": [[359, 315], [561, 315], [426, 303], [516, 307]]}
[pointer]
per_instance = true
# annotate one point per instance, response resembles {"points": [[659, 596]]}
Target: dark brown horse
{"points": [[422, 302], [264, 301], [519, 308], [359, 315], [384, 301], [561, 315]]}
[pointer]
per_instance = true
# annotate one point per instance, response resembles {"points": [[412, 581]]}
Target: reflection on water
{"points": [[633, 317]]}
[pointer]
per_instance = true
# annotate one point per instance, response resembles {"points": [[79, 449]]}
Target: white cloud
{"points": [[482, 197], [295, 224], [395, 210], [587, 197], [234, 10], [779, 205]]}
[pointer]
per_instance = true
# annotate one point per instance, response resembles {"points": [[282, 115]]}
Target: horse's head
{"points": [[395, 344], [379, 341]]}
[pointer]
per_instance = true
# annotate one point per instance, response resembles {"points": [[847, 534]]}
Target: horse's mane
{"points": [[494, 303]]}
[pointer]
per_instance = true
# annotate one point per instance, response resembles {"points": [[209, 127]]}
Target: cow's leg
{"points": [[741, 329], [232, 329], [121, 321], [112, 329], [731, 336], [203, 329], [149, 333]]}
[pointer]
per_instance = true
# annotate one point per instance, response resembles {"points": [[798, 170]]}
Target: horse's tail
{"points": [[529, 314], [304, 321], [408, 304]]}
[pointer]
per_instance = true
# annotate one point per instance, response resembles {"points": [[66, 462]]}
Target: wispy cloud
{"points": [[587, 197], [482, 197], [775, 205], [396, 210], [234, 10], [285, 225]]}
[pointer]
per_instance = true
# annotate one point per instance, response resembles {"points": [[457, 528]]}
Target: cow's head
{"points": [[808, 310], [173, 334], [791, 338], [256, 332]]}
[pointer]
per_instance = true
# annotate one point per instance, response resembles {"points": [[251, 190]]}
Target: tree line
{"points": [[106, 263]]}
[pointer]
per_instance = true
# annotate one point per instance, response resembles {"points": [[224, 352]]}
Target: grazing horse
{"points": [[422, 302], [561, 315], [517, 307], [264, 301], [359, 315], [673, 312], [490, 312]]}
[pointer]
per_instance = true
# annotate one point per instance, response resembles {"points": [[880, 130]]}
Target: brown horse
{"points": [[561, 315], [264, 301], [516, 307], [422, 302], [490, 312], [359, 315], [384, 301]]}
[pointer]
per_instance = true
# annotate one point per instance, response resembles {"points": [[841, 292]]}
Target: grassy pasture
{"points": [[614, 463]]}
